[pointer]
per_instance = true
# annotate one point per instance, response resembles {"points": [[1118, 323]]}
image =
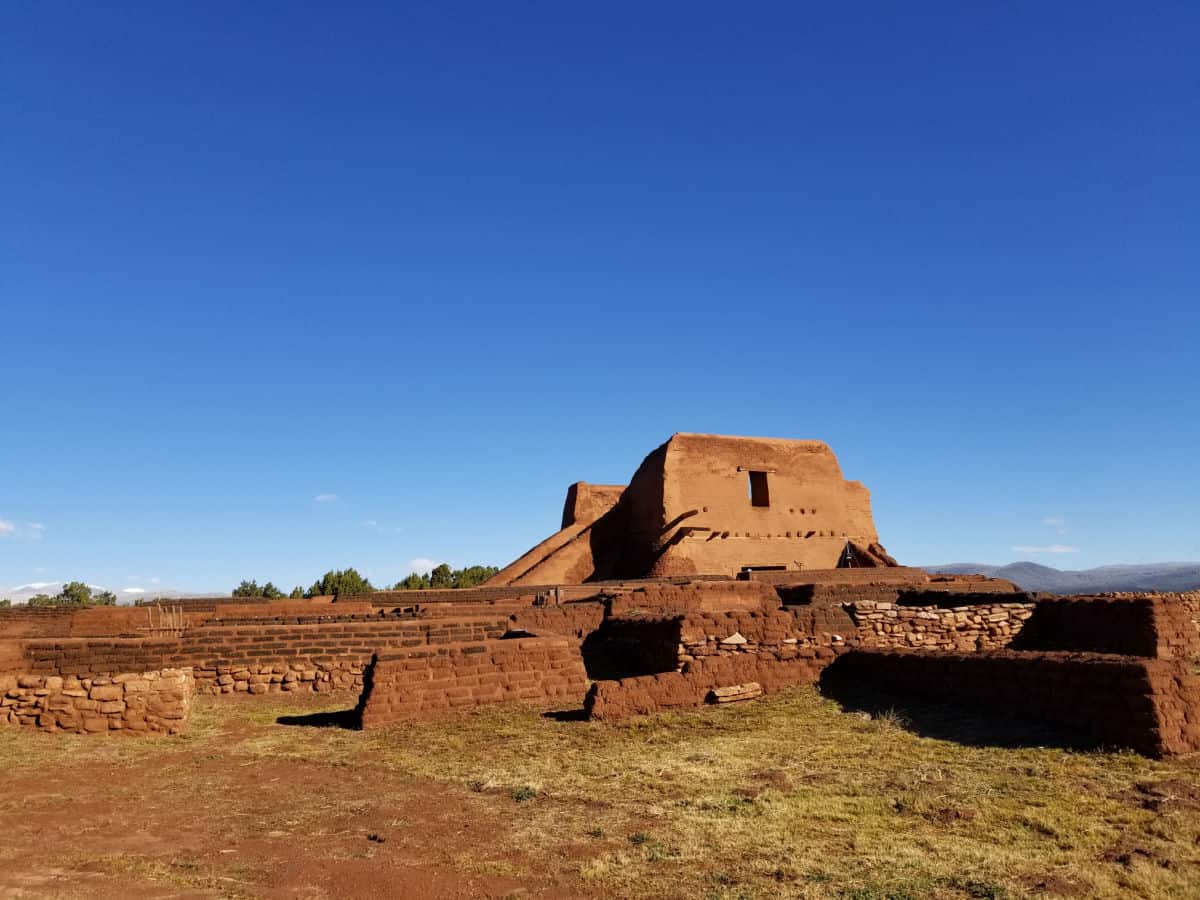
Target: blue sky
{"points": [[288, 289]]}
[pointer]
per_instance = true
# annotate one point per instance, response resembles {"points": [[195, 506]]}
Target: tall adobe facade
{"points": [[704, 504]]}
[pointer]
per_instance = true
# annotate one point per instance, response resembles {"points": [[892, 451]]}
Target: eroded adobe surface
{"points": [[710, 505]]}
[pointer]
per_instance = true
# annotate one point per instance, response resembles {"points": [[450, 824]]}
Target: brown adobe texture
{"points": [[705, 504], [405, 684], [1149, 705]]}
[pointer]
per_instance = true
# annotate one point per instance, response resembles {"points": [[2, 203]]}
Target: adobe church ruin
{"points": [[728, 568], [706, 504]]}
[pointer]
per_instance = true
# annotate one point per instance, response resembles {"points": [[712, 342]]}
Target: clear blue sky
{"points": [[438, 261]]}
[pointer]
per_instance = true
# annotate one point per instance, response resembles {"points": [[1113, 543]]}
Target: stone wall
{"points": [[978, 626], [414, 683], [155, 701], [1149, 705]]}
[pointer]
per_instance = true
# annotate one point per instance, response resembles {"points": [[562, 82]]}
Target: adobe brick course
{"points": [[415, 683], [1149, 705]]}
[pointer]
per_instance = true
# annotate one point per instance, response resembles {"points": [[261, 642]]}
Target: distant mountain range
{"points": [[1171, 576], [22, 592]]}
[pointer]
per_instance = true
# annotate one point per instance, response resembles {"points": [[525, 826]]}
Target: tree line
{"points": [[73, 593], [345, 582]]}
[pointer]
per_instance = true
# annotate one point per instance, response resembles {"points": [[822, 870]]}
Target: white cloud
{"points": [[133, 591], [1052, 548], [326, 498], [370, 523], [1058, 523], [29, 531], [422, 566]]}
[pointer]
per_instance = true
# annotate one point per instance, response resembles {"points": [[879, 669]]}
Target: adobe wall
{"points": [[702, 652], [700, 681], [1151, 706], [693, 596], [421, 682], [111, 621], [255, 658], [575, 620], [1151, 625], [156, 701]]}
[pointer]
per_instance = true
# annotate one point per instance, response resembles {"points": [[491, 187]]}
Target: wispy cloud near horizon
{"points": [[422, 566]]}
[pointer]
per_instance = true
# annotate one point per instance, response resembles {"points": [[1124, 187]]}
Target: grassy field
{"points": [[790, 796]]}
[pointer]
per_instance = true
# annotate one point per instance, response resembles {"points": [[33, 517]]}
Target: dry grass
{"points": [[789, 796]]}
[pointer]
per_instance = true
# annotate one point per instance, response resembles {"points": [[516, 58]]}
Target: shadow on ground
{"points": [[342, 718], [566, 715], [972, 728]]}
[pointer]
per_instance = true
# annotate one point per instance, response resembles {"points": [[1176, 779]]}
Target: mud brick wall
{"points": [[981, 626], [1147, 625], [264, 658], [778, 634], [575, 620], [255, 658], [1151, 706], [691, 596], [691, 687], [1177, 615], [35, 621], [460, 595], [631, 645], [415, 683], [134, 703]]}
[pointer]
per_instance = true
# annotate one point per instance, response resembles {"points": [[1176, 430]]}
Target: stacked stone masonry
{"points": [[986, 626], [156, 701]]}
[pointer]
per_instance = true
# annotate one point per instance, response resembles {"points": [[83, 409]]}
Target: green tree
{"points": [[104, 598], [270, 592], [340, 583], [297, 593], [247, 589], [413, 582], [5, 603], [441, 577], [75, 592], [473, 576], [42, 600]]}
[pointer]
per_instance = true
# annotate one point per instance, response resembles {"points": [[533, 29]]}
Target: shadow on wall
{"points": [[949, 723]]}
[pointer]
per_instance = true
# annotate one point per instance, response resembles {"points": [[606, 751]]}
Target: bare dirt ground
{"points": [[791, 796]]}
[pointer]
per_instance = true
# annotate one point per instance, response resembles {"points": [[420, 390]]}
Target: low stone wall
{"points": [[978, 626], [779, 634], [1149, 705], [405, 684], [697, 683], [157, 702]]}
